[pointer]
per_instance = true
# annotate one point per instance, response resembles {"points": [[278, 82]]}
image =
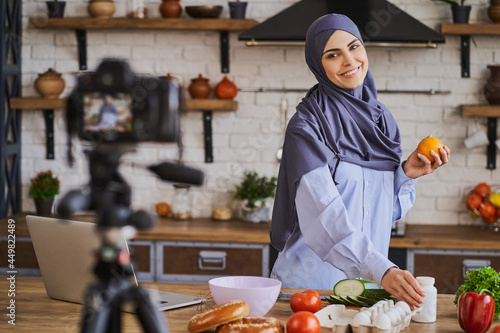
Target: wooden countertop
{"points": [[197, 229], [205, 229], [35, 312]]}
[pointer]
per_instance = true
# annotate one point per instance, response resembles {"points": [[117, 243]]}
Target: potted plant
{"points": [[256, 194], [43, 188], [237, 9], [459, 11], [55, 8]]}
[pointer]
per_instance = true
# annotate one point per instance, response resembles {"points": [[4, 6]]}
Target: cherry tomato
{"points": [[303, 322], [308, 300]]}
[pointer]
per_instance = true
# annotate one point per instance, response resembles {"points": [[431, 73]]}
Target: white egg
{"points": [[361, 318], [393, 316], [402, 313], [382, 322], [404, 306]]}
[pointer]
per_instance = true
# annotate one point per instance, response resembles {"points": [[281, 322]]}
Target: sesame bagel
{"points": [[218, 315], [252, 325]]}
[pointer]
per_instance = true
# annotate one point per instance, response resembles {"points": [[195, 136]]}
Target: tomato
{"points": [[495, 329], [308, 300], [303, 322], [483, 189]]}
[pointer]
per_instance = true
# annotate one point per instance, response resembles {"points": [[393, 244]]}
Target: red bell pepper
{"points": [[475, 312]]}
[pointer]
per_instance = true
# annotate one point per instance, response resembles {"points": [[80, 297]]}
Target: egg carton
{"points": [[382, 317]]}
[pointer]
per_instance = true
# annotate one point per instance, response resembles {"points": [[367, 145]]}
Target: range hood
{"points": [[380, 23]]}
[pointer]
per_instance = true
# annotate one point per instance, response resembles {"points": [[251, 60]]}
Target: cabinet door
{"points": [[447, 266], [25, 263], [143, 259], [200, 261]]}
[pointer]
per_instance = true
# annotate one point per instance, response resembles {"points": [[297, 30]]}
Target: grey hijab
{"points": [[331, 124]]}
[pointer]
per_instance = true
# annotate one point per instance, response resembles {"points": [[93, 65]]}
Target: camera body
{"points": [[114, 105]]}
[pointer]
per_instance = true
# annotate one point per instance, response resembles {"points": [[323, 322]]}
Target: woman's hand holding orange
{"points": [[419, 164]]}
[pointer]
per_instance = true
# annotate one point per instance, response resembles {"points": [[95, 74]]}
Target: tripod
{"points": [[110, 196]]}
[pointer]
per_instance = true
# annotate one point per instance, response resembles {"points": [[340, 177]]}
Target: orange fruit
{"points": [[488, 212], [163, 209], [483, 189], [427, 145]]}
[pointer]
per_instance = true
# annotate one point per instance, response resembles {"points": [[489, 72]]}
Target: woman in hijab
{"points": [[341, 183]]}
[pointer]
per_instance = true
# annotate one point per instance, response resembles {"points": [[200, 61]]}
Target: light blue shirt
{"points": [[344, 226]]}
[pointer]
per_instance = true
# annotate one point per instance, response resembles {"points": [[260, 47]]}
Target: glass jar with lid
{"points": [[221, 206], [182, 202]]}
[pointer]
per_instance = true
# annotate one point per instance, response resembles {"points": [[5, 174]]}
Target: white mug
{"points": [[477, 139]]}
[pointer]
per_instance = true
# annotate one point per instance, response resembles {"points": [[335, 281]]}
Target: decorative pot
{"points": [[55, 8], [199, 87], [50, 84], [460, 13], [257, 214], [101, 8], [226, 89], [494, 11], [44, 206], [492, 86], [237, 9], [170, 8]]}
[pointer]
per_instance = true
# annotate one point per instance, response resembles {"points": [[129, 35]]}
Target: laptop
{"points": [[64, 250]]}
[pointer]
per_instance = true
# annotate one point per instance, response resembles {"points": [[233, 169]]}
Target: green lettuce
{"points": [[480, 279]]}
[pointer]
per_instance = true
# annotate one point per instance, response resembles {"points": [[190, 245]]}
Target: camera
{"points": [[113, 104]]}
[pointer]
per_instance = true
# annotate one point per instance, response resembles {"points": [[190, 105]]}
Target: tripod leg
{"points": [[150, 317], [96, 320]]}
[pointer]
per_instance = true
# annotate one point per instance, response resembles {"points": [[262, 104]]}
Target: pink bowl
{"points": [[259, 292]]}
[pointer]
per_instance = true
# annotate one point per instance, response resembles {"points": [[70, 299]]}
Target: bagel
{"points": [[218, 315], [252, 325]]}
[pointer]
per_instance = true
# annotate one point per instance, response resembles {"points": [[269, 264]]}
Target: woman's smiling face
{"points": [[345, 60]]}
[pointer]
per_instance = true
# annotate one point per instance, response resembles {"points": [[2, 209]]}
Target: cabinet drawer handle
{"points": [[212, 257], [468, 265]]}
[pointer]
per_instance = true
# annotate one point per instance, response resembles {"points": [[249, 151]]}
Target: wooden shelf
{"points": [[492, 112], [211, 105], [85, 23], [82, 24], [30, 103], [481, 111], [465, 30], [470, 29]]}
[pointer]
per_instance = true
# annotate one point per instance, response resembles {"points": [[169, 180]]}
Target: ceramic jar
{"points": [[494, 11], [492, 86], [199, 87], [226, 89], [170, 8], [50, 84], [101, 8]]}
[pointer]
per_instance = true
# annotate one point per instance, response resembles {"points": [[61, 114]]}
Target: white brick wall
{"points": [[249, 137]]}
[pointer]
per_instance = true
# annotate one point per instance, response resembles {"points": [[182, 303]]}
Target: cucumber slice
{"points": [[353, 287]]}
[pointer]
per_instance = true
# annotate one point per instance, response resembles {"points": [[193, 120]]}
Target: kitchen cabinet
{"points": [[181, 251], [448, 267]]}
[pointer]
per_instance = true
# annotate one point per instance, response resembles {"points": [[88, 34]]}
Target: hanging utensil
{"points": [[284, 118]]}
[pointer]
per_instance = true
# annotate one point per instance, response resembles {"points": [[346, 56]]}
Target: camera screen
{"points": [[107, 113]]}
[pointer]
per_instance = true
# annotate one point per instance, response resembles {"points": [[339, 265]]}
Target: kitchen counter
{"points": [[206, 229], [35, 312], [197, 229]]}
